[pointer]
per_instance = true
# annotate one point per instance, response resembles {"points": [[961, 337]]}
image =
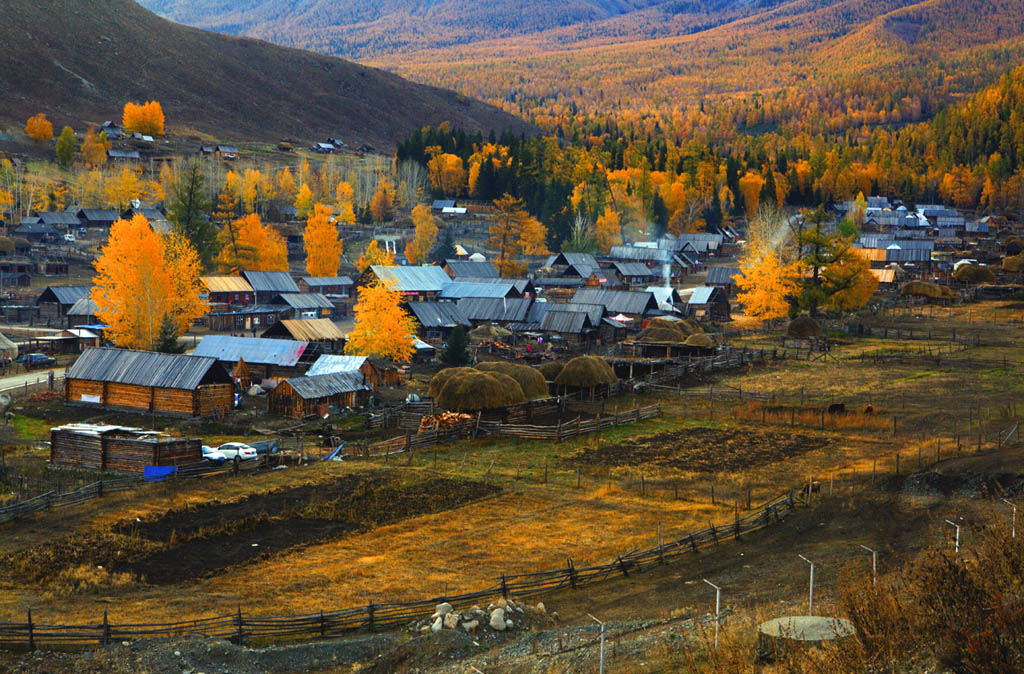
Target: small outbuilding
{"points": [[709, 303], [323, 331], [377, 372], [306, 396], [121, 448]]}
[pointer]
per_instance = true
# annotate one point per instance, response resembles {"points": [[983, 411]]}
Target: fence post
{"points": [[579, 477], [504, 587], [369, 616], [31, 636], [238, 619], [622, 567], [323, 625], [572, 574], [105, 637]]}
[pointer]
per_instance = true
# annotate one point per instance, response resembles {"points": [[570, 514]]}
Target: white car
{"points": [[240, 450], [214, 456], [69, 238]]}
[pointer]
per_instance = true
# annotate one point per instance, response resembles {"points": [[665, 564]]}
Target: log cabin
{"points": [[301, 397]]}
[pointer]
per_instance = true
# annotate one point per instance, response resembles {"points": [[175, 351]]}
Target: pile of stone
{"points": [[501, 616]]}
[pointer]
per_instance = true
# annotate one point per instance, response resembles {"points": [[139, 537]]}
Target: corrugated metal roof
{"points": [[305, 300], [326, 385], [618, 301], [320, 281], [330, 364], [438, 314], [635, 253], [312, 329], [460, 268], [721, 276], [64, 294], [664, 295], [572, 259], [566, 322], [558, 282], [226, 284], [98, 214], [271, 281], [56, 218], [252, 310], [492, 309], [424, 279], [538, 309], [83, 307], [908, 255], [255, 350], [593, 311], [142, 368], [38, 227], [705, 294], [633, 269], [457, 290]]}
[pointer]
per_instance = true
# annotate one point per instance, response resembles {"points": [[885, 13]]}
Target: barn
{"points": [[302, 397], [121, 448], [277, 358], [377, 372], [323, 331], [152, 382]]}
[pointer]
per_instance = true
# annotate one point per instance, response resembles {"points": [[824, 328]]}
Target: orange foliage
{"points": [[248, 244], [147, 118], [382, 327], [765, 284], [322, 244], [373, 255], [515, 232], [39, 128]]}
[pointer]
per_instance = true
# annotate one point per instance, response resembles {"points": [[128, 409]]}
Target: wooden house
{"points": [[35, 230], [436, 320], [152, 382], [266, 358], [377, 372], [97, 217], [315, 396], [226, 152], [305, 305], [322, 331], [83, 312], [230, 290], [709, 303], [269, 284], [460, 269], [60, 299], [574, 327], [724, 278], [330, 286], [119, 448], [634, 274], [417, 284], [251, 318], [633, 304]]}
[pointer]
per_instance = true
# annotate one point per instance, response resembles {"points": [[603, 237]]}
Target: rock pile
{"points": [[501, 616]]}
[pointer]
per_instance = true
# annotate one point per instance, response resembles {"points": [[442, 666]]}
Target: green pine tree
{"points": [[445, 248], [190, 210], [67, 146], [455, 350], [168, 339]]}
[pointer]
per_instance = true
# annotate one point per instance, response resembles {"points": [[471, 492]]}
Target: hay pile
{"points": [[701, 340], [972, 273], [925, 289], [484, 332], [1013, 246], [656, 333], [685, 325], [1014, 263], [551, 369], [804, 326], [530, 380], [586, 372], [438, 381], [475, 390]]}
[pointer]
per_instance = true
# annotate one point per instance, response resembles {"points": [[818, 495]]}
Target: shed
{"points": [[415, 283], [458, 269], [723, 278], [323, 331], [271, 357], [97, 217], [148, 381], [229, 290], [121, 448], [253, 318], [633, 303], [634, 273], [709, 303], [479, 310], [437, 319], [377, 372], [573, 326], [309, 396], [268, 284], [123, 155], [306, 305], [35, 231], [60, 220], [331, 286], [83, 312], [457, 290], [62, 298]]}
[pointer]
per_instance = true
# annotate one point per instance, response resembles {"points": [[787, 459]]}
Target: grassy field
{"points": [[636, 483]]}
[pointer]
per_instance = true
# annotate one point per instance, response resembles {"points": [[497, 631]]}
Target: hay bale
{"points": [[530, 380], [660, 334], [925, 289], [6, 244], [804, 326], [1014, 263], [701, 340], [690, 326], [438, 381], [972, 273], [1013, 246], [474, 390], [551, 369], [485, 332], [586, 372]]}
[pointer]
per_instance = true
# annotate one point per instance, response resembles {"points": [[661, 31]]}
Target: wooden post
{"points": [[105, 636], [31, 636], [504, 587], [643, 486], [238, 620], [894, 426], [545, 472], [370, 616], [897, 463], [579, 477], [712, 494]]}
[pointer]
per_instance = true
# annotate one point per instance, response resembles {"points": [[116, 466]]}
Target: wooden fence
{"points": [[241, 628], [571, 429]]}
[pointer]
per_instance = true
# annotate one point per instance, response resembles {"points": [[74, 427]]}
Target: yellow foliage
{"points": [[373, 255], [147, 118], [426, 235], [382, 327], [303, 201], [248, 244], [323, 247], [446, 173], [39, 128], [608, 230], [345, 198], [765, 285], [515, 232]]}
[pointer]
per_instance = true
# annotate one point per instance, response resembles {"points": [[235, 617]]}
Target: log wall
{"points": [[214, 399], [209, 400], [93, 452]]}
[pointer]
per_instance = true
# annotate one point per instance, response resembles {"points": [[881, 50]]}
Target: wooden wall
{"points": [[208, 400], [284, 401], [78, 450]]}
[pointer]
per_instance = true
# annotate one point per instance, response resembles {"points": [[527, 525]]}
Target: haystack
{"points": [[804, 326], [683, 325], [485, 332], [551, 369], [586, 372], [656, 333], [925, 289], [530, 380], [474, 390], [1014, 263], [702, 340], [438, 381], [972, 273], [1013, 246]]}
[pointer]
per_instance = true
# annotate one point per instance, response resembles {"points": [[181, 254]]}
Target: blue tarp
{"points": [[158, 473]]}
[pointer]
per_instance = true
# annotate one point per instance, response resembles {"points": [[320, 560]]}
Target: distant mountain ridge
{"points": [[83, 60]]}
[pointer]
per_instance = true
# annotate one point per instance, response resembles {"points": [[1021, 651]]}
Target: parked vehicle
{"points": [[242, 451], [69, 238], [214, 456], [35, 360], [265, 446]]}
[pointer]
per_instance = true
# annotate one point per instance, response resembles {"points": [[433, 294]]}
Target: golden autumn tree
{"points": [[750, 187], [147, 118], [515, 232], [766, 284], [248, 244], [849, 281], [373, 255], [382, 327], [286, 186], [323, 247], [382, 204], [608, 229], [303, 201], [426, 235], [345, 197], [446, 172], [144, 281], [39, 128], [122, 187]]}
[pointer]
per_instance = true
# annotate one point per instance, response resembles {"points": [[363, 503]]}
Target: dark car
{"points": [[32, 361]]}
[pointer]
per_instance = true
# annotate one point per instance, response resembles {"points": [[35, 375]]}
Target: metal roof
{"points": [[572, 259], [271, 281], [664, 294], [330, 364], [443, 203], [64, 294], [98, 215], [226, 284], [633, 269], [470, 268], [705, 294], [425, 278], [458, 289], [908, 255], [569, 322], [60, 218], [305, 300], [558, 282], [124, 154], [722, 276], [635, 253], [593, 311], [320, 281], [309, 329], [42, 228], [83, 307], [438, 314], [495, 309], [253, 310], [618, 301], [326, 385], [144, 368], [254, 350]]}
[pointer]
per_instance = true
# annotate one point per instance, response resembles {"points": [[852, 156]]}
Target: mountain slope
{"points": [[82, 61]]}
